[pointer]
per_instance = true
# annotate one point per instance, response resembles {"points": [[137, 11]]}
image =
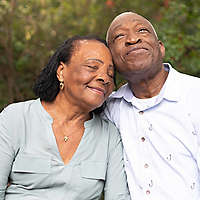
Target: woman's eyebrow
{"points": [[96, 60]]}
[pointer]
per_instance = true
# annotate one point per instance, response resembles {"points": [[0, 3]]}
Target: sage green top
{"points": [[30, 160]]}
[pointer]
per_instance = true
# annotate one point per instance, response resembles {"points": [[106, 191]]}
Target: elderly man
{"points": [[157, 114]]}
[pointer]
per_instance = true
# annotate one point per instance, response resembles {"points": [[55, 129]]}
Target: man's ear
{"points": [[60, 71], [162, 48]]}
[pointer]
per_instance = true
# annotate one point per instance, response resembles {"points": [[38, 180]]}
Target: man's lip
{"points": [[135, 49], [97, 89]]}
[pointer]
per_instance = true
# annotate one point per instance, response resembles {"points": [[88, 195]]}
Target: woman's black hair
{"points": [[47, 85]]}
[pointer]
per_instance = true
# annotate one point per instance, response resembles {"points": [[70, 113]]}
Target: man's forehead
{"points": [[132, 17], [127, 16]]}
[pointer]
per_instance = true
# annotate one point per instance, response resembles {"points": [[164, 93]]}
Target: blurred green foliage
{"points": [[31, 30]]}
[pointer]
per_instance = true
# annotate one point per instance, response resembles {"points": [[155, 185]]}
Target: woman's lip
{"points": [[97, 90]]}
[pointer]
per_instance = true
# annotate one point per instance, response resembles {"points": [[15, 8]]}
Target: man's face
{"points": [[134, 45]]}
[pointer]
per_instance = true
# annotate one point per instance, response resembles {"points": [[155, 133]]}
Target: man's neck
{"points": [[148, 88]]}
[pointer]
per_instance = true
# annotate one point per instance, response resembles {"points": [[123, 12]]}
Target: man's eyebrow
{"points": [[133, 20], [116, 27], [95, 59]]}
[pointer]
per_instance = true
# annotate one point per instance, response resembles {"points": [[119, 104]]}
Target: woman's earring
{"points": [[61, 85]]}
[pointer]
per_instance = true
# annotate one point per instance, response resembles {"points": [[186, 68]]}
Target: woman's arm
{"points": [[6, 152], [116, 187]]}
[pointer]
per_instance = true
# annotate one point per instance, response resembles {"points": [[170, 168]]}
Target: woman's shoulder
{"points": [[108, 127], [15, 111], [18, 106], [12, 122]]}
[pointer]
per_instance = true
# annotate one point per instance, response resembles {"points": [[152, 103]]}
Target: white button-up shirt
{"points": [[161, 138]]}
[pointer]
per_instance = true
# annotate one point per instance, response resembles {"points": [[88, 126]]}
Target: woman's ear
{"points": [[60, 72]]}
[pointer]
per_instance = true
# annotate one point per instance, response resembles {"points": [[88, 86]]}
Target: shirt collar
{"points": [[170, 90], [123, 92]]}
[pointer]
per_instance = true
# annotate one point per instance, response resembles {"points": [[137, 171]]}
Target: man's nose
{"points": [[132, 38]]}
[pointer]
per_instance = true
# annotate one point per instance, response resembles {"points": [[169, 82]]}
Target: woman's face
{"points": [[88, 77]]}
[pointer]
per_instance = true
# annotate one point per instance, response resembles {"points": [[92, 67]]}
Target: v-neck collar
{"points": [[51, 137]]}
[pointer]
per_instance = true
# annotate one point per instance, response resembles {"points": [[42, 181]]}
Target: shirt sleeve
{"points": [[6, 152], [111, 111], [106, 114], [116, 187]]}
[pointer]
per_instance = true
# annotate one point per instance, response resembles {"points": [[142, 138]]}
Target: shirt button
{"points": [[150, 127], [143, 139], [194, 133], [147, 192], [146, 165], [192, 186], [141, 112]]}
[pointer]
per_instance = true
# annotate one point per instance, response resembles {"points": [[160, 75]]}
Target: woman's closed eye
{"points": [[92, 67], [111, 75], [111, 72]]}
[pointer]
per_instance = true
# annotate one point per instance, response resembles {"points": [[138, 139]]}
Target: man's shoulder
{"points": [[183, 83], [189, 77], [188, 87], [189, 83]]}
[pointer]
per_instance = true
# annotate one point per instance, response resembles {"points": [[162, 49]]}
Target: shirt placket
{"points": [[145, 129]]}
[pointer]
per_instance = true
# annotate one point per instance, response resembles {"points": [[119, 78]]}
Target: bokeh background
{"points": [[31, 30]]}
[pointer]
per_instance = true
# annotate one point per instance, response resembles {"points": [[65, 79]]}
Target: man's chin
{"points": [[137, 66]]}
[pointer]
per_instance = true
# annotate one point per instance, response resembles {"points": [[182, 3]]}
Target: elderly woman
{"points": [[57, 147]]}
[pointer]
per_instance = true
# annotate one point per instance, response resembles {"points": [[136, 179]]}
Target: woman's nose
{"points": [[104, 78]]}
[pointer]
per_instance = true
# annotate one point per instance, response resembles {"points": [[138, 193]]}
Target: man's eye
{"points": [[143, 30], [118, 36]]}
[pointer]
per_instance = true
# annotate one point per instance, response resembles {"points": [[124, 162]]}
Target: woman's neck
{"points": [[62, 111]]}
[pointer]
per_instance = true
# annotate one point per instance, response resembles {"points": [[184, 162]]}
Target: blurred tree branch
{"points": [[31, 30]]}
